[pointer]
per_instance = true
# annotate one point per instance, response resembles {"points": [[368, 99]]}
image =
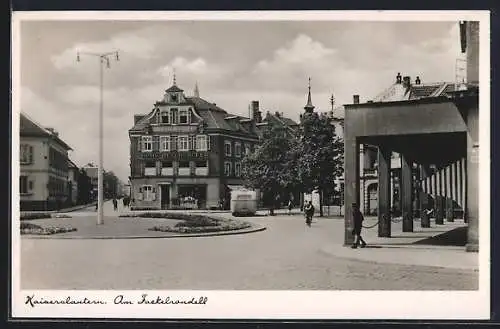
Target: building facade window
{"points": [[147, 192], [174, 98], [23, 184], [237, 169], [147, 143], [165, 143], [227, 168], [26, 154], [183, 143], [201, 143], [184, 116], [227, 148], [237, 149], [201, 164], [165, 117], [247, 149], [175, 116]]}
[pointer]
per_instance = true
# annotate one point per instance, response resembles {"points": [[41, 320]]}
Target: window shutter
{"points": [[139, 196], [190, 142], [208, 142], [195, 142], [30, 185], [153, 196], [139, 144]]}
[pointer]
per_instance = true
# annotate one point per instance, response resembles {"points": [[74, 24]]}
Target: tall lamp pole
{"points": [[104, 59]]}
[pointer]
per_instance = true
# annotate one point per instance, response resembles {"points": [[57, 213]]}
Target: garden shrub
{"points": [[29, 228], [31, 216]]}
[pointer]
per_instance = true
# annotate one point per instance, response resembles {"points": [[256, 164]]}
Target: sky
{"points": [[233, 62]]}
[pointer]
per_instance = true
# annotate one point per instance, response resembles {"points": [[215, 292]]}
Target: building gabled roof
{"points": [[398, 92], [71, 164], [29, 127], [213, 116]]}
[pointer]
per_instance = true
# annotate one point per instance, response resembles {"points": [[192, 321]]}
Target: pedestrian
{"points": [[309, 213], [290, 206], [358, 218], [115, 204]]}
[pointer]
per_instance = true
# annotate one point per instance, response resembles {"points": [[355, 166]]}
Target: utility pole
{"points": [[104, 59]]}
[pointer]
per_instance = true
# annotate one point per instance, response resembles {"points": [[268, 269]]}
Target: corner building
{"points": [[186, 153]]}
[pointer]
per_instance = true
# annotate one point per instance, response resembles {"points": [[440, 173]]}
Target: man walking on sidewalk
{"points": [[358, 224]]}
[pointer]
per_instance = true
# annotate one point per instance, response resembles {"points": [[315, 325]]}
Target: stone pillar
{"points": [[439, 197], [463, 187], [449, 194], [424, 198], [472, 195], [406, 193], [392, 189], [384, 192], [351, 174]]}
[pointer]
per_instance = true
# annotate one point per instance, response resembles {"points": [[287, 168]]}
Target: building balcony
{"points": [[184, 171], [150, 171], [201, 171], [167, 171]]}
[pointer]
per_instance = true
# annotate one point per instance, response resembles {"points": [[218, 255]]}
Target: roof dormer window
{"points": [[174, 98], [165, 117], [183, 116]]}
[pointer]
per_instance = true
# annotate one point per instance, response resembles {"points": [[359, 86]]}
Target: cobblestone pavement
{"points": [[288, 255]]}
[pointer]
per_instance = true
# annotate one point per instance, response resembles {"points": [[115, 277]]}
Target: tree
{"points": [[84, 187], [268, 167], [110, 184], [319, 154]]}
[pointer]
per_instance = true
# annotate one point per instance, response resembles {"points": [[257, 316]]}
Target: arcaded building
{"points": [[435, 133]]}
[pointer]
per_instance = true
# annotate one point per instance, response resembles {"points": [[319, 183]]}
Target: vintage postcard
{"points": [[239, 165]]}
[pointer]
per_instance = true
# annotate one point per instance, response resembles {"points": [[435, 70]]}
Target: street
{"points": [[287, 255]]}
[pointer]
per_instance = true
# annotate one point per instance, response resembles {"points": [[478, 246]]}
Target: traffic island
{"points": [[146, 225]]}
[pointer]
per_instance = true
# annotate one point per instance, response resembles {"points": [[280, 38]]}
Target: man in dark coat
{"points": [[357, 217]]}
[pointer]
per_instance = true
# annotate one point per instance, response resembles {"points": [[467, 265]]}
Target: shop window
{"points": [[201, 164]]}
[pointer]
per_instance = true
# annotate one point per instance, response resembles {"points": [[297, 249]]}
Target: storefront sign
{"points": [[174, 155]]}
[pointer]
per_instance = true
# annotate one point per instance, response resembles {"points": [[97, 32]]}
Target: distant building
{"points": [[73, 175], [186, 152], [43, 180]]}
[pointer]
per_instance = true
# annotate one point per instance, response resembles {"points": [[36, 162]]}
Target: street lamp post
{"points": [[104, 58]]}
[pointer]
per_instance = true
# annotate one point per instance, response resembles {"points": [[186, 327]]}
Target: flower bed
{"points": [[35, 215], [221, 227], [192, 223], [28, 228]]}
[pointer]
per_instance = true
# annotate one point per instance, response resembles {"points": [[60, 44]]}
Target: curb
{"points": [[177, 235], [342, 255]]}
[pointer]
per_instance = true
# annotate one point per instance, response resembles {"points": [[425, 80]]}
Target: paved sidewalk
{"points": [[439, 245]]}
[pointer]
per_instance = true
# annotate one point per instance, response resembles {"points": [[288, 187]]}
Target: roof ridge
{"points": [[45, 130]]}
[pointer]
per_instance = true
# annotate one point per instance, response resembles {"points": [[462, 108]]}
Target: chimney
{"points": [[398, 78], [355, 99], [417, 80], [53, 132], [256, 114], [407, 81]]}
